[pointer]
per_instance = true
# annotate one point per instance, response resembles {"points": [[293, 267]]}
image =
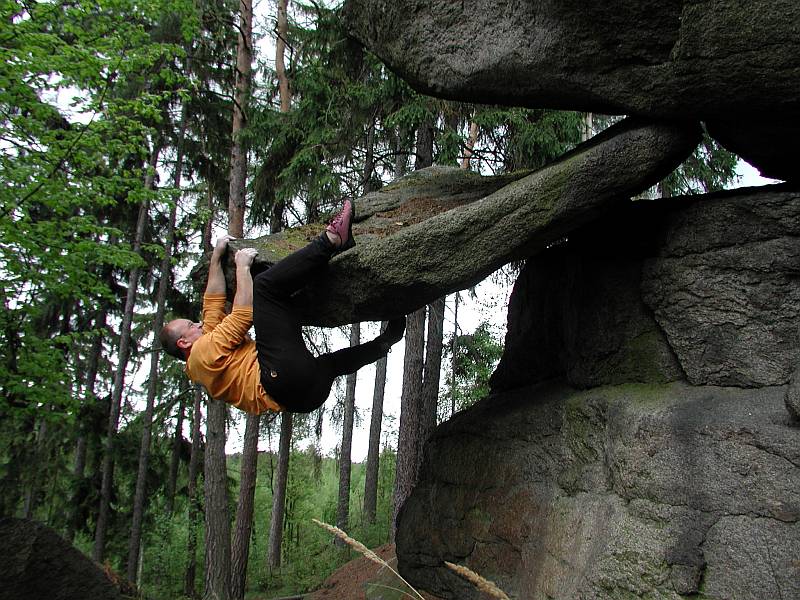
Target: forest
{"points": [[133, 134]]}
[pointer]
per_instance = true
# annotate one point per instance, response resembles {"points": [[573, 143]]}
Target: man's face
{"points": [[188, 331]]}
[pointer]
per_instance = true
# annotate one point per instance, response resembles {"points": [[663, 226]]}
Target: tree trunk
{"points": [[244, 61], [89, 398], [424, 157], [119, 376], [31, 497], [194, 498], [175, 456], [164, 284], [276, 224], [588, 127], [345, 466], [374, 450], [408, 442], [453, 350], [470, 145], [400, 158], [431, 374], [282, 27], [147, 417], [240, 546], [218, 525], [279, 494]]}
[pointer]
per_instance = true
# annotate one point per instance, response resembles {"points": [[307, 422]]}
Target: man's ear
{"points": [[183, 344]]}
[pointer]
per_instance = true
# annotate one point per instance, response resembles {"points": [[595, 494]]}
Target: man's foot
{"points": [[340, 229], [394, 330]]}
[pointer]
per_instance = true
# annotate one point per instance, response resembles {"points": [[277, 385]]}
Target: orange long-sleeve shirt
{"points": [[224, 359]]}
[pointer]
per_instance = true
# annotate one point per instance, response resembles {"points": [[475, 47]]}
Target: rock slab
{"points": [[420, 261], [654, 491]]}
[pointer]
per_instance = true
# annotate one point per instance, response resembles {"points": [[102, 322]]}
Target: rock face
{"points": [[731, 63], [704, 289], [677, 471], [642, 437], [629, 491], [37, 563]]}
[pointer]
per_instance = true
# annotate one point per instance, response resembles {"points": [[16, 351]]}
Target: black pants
{"points": [[295, 378]]}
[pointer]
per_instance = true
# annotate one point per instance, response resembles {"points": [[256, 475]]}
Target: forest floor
{"points": [[362, 579]]}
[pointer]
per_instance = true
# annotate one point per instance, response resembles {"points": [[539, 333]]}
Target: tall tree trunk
{"points": [[282, 29], [175, 456], [374, 449], [119, 376], [424, 156], [431, 373], [89, 399], [400, 157], [469, 145], [281, 478], [588, 126], [408, 442], [373, 453], [194, 497], [453, 361], [218, 527], [240, 546], [31, 496], [284, 95], [244, 61], [279, 494], [345, 465], [152, 388], [177, 442]]}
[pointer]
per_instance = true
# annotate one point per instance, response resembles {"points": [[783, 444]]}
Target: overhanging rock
{"points": [[451, 250], [726, 62]]}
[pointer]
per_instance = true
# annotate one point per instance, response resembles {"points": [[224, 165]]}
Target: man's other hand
{"points": [[245, 257], [221, 246]]}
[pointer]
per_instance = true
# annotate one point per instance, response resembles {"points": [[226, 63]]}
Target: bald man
{"points": [[276, 371]]}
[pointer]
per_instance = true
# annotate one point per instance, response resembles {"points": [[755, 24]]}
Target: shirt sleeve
{"points": [[213, 311], [232, 331]]}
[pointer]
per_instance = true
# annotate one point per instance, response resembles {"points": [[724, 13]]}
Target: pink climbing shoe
{"points": [[342, 226]]}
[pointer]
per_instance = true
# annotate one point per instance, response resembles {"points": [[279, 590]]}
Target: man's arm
{"points": [[232, 330], [244, 282], [216, 278]]}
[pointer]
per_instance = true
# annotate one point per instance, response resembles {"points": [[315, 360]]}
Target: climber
{"points": [[276, 371]]}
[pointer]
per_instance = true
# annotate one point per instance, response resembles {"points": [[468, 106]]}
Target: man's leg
{"points": [[289, 372], [350, 360]]}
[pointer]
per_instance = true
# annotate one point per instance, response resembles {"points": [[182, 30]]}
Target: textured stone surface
{"points": [[577, 312], [725, 288], [625, 491], [721, 61], [792, 398], [419, 262], [704, 288], [37, 563]]}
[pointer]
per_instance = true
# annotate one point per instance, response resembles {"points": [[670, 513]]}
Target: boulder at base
{"points": [[39, 564], [641, 438], [628, 491]]}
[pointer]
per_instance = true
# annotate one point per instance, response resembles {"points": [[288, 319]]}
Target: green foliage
{"points": [[710, 168], [476, 356]]}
